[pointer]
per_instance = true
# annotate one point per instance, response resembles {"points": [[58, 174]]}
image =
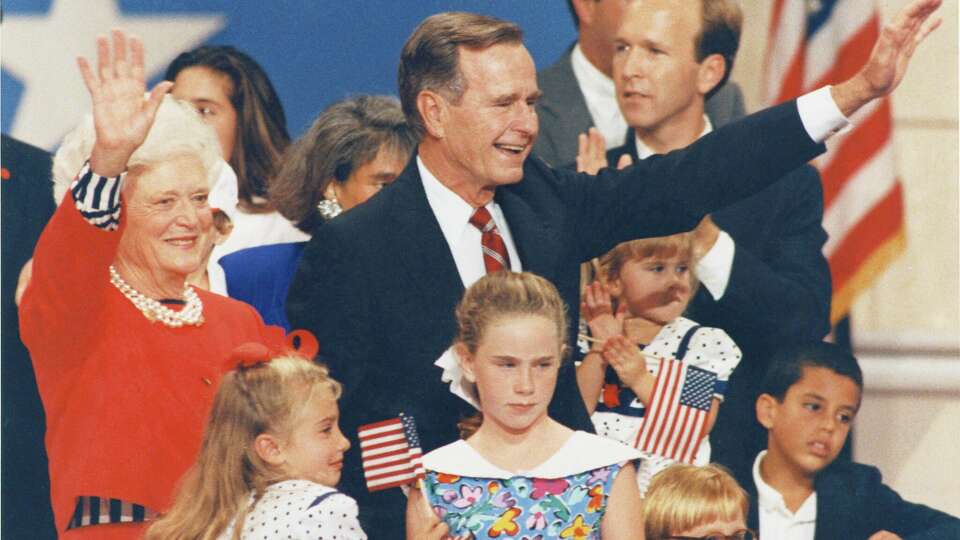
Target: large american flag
{"points": [[819, 42], [391, 454], [673, 425]]}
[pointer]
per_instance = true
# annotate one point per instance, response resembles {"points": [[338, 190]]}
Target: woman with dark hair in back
{"points": [[233, 94], [353, 149]]}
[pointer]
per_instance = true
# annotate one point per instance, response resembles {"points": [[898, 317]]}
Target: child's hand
{"points": [[422, 522], [597, 310], [626, 360]]}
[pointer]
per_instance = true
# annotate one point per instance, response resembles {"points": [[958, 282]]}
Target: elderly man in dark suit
{"points": [[765, 280], [578, 90], [378, 285]]}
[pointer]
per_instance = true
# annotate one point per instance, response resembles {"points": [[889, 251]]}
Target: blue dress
{"points": [[564, 497]]}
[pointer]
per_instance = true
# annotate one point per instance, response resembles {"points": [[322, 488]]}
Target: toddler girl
{"points": [[634, 316], [522, 474]]}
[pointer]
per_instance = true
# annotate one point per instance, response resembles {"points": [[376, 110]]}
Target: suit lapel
{"points": [[537, 241], [566, 100], [420, 247]]}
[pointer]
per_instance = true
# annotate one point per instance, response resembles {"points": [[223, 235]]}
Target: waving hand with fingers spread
{"points": [[121, 116], [890, 57]]}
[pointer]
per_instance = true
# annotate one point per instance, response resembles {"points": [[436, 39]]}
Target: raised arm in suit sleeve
{"points": [[666, 194]]}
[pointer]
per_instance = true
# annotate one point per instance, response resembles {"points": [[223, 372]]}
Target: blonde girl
{"points": [[522, 473], [271, 456]]}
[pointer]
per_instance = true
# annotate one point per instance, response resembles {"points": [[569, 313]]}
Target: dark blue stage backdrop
{"points": [[315, 51]]}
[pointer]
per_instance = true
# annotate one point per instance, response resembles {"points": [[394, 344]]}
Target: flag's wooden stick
{"points": [[592, 339]]}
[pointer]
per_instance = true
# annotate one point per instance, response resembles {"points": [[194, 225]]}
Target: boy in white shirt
{"points": [[810, 397]]}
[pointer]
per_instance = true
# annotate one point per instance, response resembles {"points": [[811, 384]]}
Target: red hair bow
{"points": [[252, 354]]}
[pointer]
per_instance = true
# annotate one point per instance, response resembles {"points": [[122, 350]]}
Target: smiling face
{"points": [[655, 70], [515, 367], [484, 138], [314, 450], [807, 430], [655, 288], [209, 92], [368, 179], [168, 223]]}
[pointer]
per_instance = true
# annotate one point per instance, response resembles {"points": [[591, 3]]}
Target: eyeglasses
{"points": [[745, 534]]}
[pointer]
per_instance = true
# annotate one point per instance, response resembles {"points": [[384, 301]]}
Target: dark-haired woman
{"points": [[352, 150], [233, 94]]}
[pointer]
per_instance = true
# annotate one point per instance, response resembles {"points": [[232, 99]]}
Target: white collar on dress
{"points": [[580, 453]]}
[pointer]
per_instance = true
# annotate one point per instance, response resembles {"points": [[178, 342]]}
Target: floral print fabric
{"points": [[523, 508]]}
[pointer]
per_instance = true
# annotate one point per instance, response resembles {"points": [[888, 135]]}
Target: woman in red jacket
{"points": [[127, 355]]}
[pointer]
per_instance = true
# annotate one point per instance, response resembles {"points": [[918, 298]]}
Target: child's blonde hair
{"points": [[612, 263], [507, 293], [267, 397], [503, 294], [682, 497]]}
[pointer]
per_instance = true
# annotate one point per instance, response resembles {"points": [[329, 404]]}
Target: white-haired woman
{"points": [[127, 355]]}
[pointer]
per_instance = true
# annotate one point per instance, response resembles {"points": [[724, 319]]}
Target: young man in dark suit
{"points": [[764, 277], [378, 285], [578, 91], [811, 396]]}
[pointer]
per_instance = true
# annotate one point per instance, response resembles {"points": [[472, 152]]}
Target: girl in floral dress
{"points": [[521, 474]]}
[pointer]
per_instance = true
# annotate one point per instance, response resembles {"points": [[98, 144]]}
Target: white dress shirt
{"points": [[601, 98], [776, 521], [453, 214], [821, 118]]}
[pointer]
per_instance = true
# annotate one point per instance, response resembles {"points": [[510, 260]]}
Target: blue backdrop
{"points": [[315, 51]]}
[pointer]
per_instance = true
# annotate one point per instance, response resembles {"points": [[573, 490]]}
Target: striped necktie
{"points": [[495, 255]]}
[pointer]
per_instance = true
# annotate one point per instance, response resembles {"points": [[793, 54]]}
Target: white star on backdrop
{"points": [[41, 51]]}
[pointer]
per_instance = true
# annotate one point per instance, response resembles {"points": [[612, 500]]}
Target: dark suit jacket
{"points": [[27, 205], [779, 292], [564, 115], [854, 503], [378, 285]]}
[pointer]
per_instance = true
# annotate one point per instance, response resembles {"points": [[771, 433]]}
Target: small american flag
{"points": [[390, 451], [674, 422]]}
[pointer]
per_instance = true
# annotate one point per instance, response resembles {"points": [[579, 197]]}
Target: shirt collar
{"points": [[591, 79], [644, 151], [770, 500], [452, 212]]}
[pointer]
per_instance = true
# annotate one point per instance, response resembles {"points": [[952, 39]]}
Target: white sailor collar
{"points": [[581, 452]]}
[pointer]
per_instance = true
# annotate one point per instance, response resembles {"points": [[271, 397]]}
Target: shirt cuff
{"points": [[820, 115], [98, 197], [714, 268]]}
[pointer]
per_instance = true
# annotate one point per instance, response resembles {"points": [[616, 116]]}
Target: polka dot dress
{"points": [[709, 348], [301, 510]]}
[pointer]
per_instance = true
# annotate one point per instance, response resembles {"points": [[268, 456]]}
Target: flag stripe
{"points": [[673, 424], [882, 222], [390, 453], [858, 198], [863, 198]]}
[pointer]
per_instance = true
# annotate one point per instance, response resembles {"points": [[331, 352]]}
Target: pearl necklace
{"points": [[190, 315]]}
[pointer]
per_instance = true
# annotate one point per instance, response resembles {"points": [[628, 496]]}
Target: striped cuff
{"points": [[98, 198], [102, 511]]}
